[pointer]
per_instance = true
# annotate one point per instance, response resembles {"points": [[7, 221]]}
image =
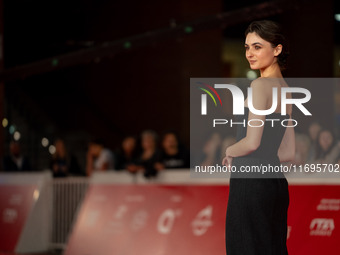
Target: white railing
{"points": [[68, 194]]}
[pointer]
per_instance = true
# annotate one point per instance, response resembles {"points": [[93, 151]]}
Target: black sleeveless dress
{"points": [[256, 220]]}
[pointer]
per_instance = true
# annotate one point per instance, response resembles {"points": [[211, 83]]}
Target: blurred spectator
{"points": [[327, 149], [146, 162], [313, 132], [211, 150], [15, 161], [127, 154], [302, 144], [173, 154], [61, 163], [99, 158]]}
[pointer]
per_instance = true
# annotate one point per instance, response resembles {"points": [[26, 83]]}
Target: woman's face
{"points": [[60, 148], [260, 53], [129, 144], [170, 141], [148, 142], [325, 140]]}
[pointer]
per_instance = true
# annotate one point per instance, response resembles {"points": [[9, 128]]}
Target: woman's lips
{"points": [[252, 61]]}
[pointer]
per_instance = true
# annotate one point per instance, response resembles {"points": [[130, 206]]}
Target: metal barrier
{"points": [[68, 194]]}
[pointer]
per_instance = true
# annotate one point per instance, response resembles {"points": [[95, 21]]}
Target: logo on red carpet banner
{"points": [[321, 227], [167, 219], [9, 215], [328, 204], [202, 221]]}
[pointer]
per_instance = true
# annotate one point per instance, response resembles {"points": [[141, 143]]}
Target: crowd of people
{"points": [[317, 146], [149, 154]]}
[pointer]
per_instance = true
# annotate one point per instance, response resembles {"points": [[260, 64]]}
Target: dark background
{"points": [[142, 88]]}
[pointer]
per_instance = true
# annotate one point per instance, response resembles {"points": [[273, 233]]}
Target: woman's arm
{"points": [[253, 137], [286, 150]]}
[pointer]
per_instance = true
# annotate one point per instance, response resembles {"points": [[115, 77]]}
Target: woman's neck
{"points": [[171, 151], [272, 71], [147, 153]]}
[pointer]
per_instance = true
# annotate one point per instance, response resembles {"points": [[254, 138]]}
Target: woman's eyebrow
{"points": [[254, 43]]}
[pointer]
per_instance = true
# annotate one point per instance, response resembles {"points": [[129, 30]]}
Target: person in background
{"points": [[327, 149], [61, 163], [147, 160], [211, 150], [127, 154], [173, 154], [313, 131], [302, 147], [15, 161], [99, 158]]}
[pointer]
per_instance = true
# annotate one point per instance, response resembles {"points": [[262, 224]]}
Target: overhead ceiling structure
{"points": [[110, 49]]}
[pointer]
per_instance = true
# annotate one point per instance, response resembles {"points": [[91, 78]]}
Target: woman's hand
{"points": [[227, 160]]}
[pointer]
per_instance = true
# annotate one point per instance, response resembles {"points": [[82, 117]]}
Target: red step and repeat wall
{"points": [[190, 219]]}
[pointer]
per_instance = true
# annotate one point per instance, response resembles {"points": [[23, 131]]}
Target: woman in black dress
{"points": [[256, 220]]}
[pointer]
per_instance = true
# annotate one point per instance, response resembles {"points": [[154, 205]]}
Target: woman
{"points": [[256, 220], [148, 159], [313, 131], [62, 164], [127, 154], [327, 149]]}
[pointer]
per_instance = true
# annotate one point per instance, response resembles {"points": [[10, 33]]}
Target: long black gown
{"points": [[256, 220]]}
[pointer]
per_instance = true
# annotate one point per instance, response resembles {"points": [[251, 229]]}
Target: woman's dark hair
{"points": [[151, 133], [171, 132], [271, 32]]}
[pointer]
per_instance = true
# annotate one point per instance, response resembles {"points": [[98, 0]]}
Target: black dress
{"points": [[256, 220]]}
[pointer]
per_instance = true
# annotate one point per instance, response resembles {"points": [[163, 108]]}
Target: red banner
{"points": [[314, 220], [150, 219], [15, 204]]}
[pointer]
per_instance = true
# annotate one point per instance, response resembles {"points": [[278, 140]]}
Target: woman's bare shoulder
{"points": [[262, 84]]}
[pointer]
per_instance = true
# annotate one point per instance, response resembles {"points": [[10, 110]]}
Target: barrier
{"points": [[121, 209], [37, 211], [25, 209], [187, 218], [68, 194]]}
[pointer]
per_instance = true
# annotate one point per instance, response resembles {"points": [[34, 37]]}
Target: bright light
{"points": [[337, 17], [5, 122], [11, 129], [44, 142], [251, 75], [51, 149], [16, 135]]}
